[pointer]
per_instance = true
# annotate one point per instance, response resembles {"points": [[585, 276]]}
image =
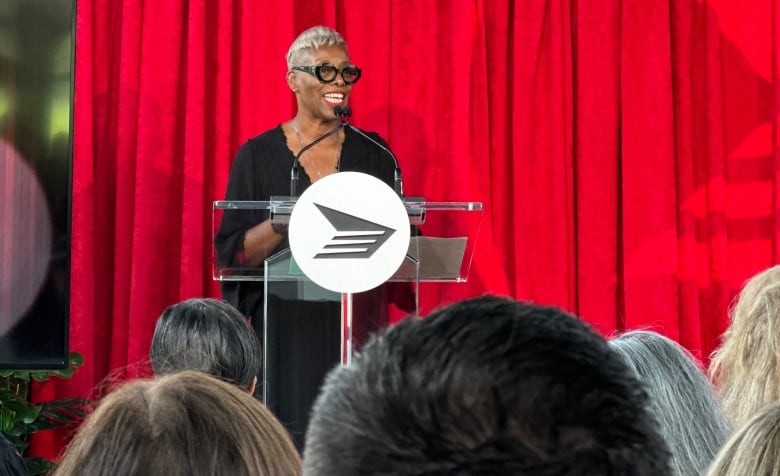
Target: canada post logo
{"points": [[354, 238], [349, 232]]}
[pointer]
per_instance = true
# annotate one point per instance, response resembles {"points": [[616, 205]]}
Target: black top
{"points": [[262, 165], [261, 170], [302, 346]]}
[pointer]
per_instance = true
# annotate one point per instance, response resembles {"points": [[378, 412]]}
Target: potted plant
{"points": [[19, 417]]}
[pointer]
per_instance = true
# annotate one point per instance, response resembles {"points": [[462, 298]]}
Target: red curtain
{"points": [[625, 151]]}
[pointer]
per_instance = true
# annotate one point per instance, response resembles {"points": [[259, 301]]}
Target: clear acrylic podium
{"points": [[441, 249]]}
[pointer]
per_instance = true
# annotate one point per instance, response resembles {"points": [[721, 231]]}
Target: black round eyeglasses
{"points": [[327, 73]]}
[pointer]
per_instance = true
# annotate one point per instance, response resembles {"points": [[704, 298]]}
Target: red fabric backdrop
{"points": [[625, 150]]}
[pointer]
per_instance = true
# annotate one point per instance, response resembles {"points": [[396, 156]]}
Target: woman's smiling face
{"points": [[317, 99]]}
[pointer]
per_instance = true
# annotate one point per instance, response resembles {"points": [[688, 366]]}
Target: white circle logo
{"points": [[349, 232]]}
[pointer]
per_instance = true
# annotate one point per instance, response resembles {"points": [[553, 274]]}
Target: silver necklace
{"points": [[336, 157]]}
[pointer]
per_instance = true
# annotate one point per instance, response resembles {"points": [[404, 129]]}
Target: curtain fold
{"points": [[625, 151]]}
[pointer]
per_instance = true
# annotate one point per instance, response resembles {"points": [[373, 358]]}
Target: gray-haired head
{"points": [[311, 39], [206, 335], [681, 396]]}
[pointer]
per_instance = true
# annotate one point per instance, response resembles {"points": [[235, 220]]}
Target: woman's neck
{"points": [[311, 127]]}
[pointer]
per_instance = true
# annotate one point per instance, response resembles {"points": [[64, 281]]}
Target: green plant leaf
{"points": [[21, 375], [22, 428], [76, 359], [19, 417], [41, 375], [22, 410], [30, 414], [66, 410], [9, 397]]}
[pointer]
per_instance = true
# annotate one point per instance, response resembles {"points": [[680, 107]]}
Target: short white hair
{"points": [[313, 38]]}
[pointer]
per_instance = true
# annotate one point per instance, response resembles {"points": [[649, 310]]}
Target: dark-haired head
{"points": [[485, 386]]}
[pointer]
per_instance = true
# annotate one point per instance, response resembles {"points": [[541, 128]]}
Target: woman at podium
{"points": [[304, 344]]}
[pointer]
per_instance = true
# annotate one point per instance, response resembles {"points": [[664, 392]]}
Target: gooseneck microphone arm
{"points": [[295, 170], [398, 182]]}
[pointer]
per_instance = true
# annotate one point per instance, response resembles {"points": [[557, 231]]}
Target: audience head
{"points": [[746, 367], [485, 386], [752, 450], [186, 423], [206, 335], [681, 397]]}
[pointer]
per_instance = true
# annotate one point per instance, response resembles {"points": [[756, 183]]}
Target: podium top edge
{"points": [[266, 204]]}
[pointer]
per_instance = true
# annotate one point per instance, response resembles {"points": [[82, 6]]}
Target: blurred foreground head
{"points": [[485, 386], [746, 367], [753, 448], [186, 423]]}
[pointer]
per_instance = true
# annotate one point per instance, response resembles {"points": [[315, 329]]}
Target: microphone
{"points": [[398, 182], [295, 170], [343, 114]]}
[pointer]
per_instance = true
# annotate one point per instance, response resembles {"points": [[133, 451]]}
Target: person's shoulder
{"points": [[257, 145], [372, 134], [267, 137]]}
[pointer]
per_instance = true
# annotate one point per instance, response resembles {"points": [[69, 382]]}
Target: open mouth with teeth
{"points": [[334, 99]]}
